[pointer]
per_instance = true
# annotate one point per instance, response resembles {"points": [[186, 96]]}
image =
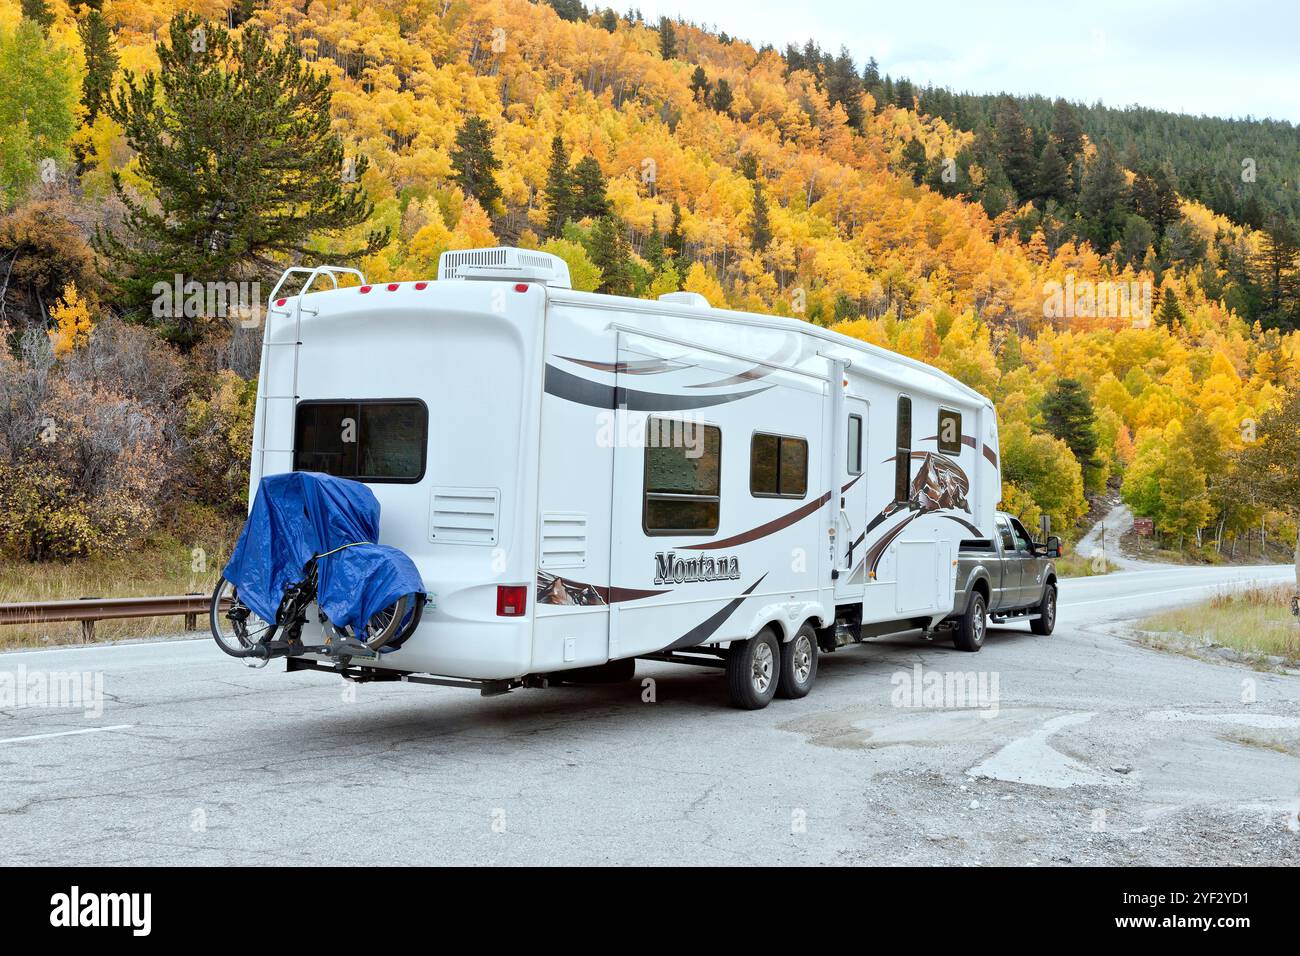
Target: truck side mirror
{"points": [[1053, 547]]}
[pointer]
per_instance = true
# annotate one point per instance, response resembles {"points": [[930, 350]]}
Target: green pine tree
{"points": [[1103, 199], [914, 162], [589, 198], [722, 97], [610, 254], [217, 213], [473, 163], [1067, 132], [667, 39], [1068, 414], [39, 12], [559, 190], [653, 248], [101, 63], [1170, 313], [700, 85], [1052, 178]]}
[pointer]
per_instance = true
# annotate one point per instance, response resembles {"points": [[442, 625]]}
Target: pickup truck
{"points": [[1009, 578]]}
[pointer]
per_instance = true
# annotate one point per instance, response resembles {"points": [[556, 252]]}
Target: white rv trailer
{"points": [[586, 479]]}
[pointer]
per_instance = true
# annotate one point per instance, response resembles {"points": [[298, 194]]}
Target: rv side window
{"points": [[949, 431], [903, 451], [683, 479], [778, 466], [855, 444], [374, 441]]}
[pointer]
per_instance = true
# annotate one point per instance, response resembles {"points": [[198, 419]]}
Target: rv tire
{"points": [[971, 626], [753, 671], [798, 664]]}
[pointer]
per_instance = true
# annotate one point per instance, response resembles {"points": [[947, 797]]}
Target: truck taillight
{"points": [[512, 600]]}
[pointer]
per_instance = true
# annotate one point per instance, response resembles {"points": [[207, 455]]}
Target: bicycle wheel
{"points": [[392, 626], [236, 629]]}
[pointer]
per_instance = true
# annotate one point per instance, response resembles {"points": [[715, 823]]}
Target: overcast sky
{"points": [[1191, 56]]}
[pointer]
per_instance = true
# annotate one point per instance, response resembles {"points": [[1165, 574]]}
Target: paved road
{"points": [[1093, 749]]}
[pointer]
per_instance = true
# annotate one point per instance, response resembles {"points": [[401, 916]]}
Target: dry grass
{"points": [[1257, 621], [162, 566], [1074, 565]]}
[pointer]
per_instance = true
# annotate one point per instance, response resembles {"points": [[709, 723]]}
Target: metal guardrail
{"points": [[90, 610]]}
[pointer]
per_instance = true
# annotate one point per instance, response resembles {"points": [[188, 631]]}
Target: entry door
{"points": [[851, 583]]}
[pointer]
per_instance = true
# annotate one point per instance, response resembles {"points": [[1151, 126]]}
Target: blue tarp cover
{"points": [[300, 515]]}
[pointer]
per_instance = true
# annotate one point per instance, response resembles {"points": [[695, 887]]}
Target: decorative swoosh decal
{"points": [[552, 589], [575, 388], [784, 354], [770, 527], [965, 523], [654, 366], [705, 629]]}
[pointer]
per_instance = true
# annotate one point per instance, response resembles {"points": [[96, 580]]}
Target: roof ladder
{"points": [[265, 398]]}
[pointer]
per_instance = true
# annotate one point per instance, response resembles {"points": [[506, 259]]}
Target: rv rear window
{"points": [[949, 431], [373, 441], [683, 478], [778, 466]]}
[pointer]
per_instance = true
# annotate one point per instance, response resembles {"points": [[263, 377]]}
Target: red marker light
{"points": [[421, 286], [365, 289], [281, 301], [521, 286], [512, 600], [392, 287]]}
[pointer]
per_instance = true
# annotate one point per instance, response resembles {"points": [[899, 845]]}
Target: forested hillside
{"points": [[1123, 328]]}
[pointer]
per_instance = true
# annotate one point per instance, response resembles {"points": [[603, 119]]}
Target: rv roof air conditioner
{"points": [[692, 300], [505, 263]]}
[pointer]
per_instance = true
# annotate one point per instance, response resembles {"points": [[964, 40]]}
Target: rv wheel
{"points": [[798, 664], [753, 670], [971, 626]]}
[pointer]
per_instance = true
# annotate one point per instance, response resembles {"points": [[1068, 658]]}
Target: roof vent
{"points": [[507, 264], [692, 300]]}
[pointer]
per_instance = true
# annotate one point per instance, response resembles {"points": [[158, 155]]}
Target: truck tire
{"points": [[1046, 610], [614, 672], [971, 626], [753, 671], [798, 664]]}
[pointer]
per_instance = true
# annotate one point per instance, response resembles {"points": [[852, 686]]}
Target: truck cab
{"points": [[1009, 577]]}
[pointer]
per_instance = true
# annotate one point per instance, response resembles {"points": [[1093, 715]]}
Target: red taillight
{"points": [[512, 600], [421, 286], [521, 286], [365, 289], [281, 302], [392, 287]]}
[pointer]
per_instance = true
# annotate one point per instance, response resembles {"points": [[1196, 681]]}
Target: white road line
{"points": [[65, 648], [1146, 594], [65, 733]]}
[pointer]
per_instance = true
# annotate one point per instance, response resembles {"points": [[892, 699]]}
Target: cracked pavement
{"points": [[1100, 751]]}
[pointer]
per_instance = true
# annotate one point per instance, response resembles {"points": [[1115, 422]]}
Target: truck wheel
{"points": [[1046, 620], [971, 626], [798, 664], [753, 668]]}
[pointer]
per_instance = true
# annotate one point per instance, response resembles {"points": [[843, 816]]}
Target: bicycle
{"points": [[241, 633]]}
